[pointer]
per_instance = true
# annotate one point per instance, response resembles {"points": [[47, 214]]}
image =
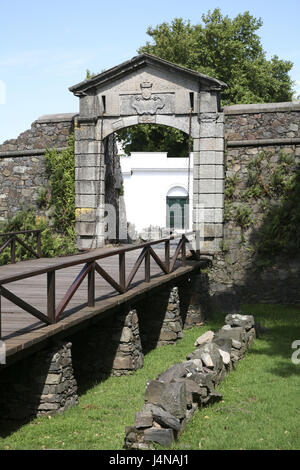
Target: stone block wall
{"points": [[47, 131], [265, 121], [249, 131], [22, 166], [43, 383]]}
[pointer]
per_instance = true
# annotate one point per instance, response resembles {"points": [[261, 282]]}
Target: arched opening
{"points": [[155, 159]]}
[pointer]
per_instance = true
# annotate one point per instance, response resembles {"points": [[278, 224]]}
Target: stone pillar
{"points": [[171, 330], [129, 356], [194, 300], [89, 186], [208, 199], [109, 347], [160, 320], [43, 383]]}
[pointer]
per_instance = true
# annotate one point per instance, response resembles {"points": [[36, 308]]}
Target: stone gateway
{"points": [[147, 89]]}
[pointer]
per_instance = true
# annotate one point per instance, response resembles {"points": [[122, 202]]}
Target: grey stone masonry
{"points": [[89, 186], [267, 133], [42, 384], [160, 319], [22, 163], [208, 198], [110, 347]]}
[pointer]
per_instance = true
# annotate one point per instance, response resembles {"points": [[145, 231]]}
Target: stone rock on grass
{"points": [[143, 419], [235, 334], [207, 337], [164, 437], [245, 321], [177, 370], [169, 396], [209, 355], [162, 417], [224, 344], [194, 392], [225, 356], [183, 369]]}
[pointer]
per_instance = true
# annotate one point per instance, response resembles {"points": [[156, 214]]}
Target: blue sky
{"points": [[45, 47]]}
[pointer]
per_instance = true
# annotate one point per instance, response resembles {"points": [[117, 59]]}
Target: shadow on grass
{"points": [[282, 323]]}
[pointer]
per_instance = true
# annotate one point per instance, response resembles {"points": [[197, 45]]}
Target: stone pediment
{"points": [[138, 63]]}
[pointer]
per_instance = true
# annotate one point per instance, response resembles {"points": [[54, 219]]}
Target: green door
{"points": [[178, 212]]}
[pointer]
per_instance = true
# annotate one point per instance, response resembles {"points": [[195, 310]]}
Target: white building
{"points": [[156, 189]]}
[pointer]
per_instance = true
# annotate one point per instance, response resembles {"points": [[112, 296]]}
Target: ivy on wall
{"points": [[58, 203], [272, 186]]}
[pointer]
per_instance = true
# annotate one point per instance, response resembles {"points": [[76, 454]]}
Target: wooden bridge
{"points": [[43, 298]]}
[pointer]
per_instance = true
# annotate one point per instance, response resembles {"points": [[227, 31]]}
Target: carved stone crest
{"points": [[146, 103], [146, 88]]}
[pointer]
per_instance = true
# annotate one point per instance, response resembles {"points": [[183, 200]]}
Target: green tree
{"points": [[223, 48], [227, 49], [154, 138]]}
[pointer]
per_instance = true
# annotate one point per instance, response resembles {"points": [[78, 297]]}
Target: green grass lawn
{"points": [[260, 407]]}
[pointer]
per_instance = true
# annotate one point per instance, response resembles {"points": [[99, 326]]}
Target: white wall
{"points": [[148, 177]]}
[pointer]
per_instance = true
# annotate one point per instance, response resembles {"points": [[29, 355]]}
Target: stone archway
{"points": [[147, 89]]}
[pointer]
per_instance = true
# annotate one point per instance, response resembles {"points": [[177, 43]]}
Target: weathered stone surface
{"points": [[162, 417], [207, 337], [237, 334], [171, 397], [48, 386], [143, 419], [164, 437], [225, 356], [177, 370], [209, 354], [245, 321], [224, 344], [194, 392]]}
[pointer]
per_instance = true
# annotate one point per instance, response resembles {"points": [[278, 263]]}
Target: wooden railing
{"points": [[13, 238], [91, 267]]}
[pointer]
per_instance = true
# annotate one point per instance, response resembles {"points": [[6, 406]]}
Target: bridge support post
{"points": [[160, 320], [194, 300], [111, 346], [42, 385]]}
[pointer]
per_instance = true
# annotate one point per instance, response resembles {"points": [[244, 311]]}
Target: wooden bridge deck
{"points": [[22, 331]]}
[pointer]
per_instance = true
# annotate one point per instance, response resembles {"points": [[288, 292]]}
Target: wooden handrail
{"points": [[91, 267], [13, 238]]}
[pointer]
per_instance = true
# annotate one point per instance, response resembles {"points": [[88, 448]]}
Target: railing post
{"points": [[147, 266], [167, 255], [122, 270], [13, 250], [51, 295], [38, 244], [197, 235], [91, 286], [0, 317], [183, 251]]}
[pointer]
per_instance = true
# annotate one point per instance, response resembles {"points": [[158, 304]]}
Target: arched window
{"points": [[177, 208]]}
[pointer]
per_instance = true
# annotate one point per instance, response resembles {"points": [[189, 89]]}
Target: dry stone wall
{"points": [[173, 397]]}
